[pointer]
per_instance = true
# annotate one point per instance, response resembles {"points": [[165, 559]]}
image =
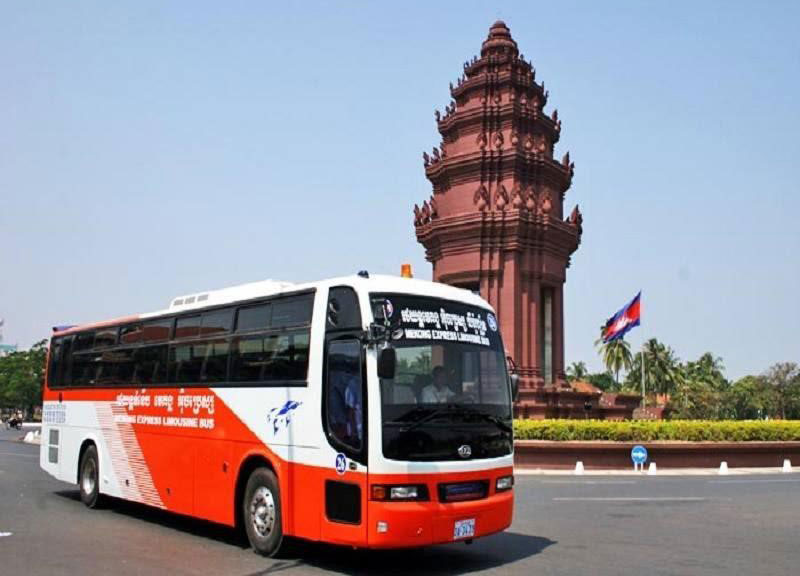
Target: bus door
{"points": [[344, 407]]}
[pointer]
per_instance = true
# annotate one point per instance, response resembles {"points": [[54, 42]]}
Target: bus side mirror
{"points": [[387, 360], [512, 370], [514, 387]]}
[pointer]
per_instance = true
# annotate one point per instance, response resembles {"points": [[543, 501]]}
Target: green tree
{"points": [[577, 371], [708, 368], [784, 378], [751, 398], [701, 390], [603, 380], [616, 355], [792, 401], [22, 377], [695, 400]]}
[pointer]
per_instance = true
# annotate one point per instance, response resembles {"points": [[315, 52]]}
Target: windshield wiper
{"points": [[497, 421], [408, 415], [458, 409], [446, 409]]}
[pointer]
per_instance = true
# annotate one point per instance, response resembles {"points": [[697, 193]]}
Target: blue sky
{"points": [[148, 150]]}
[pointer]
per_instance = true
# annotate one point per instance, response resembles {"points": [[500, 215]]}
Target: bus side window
{"points": [[344, 393], [293, 311], [187, 326], [54, 370], [106, 337], [123, 372], [216, 322], [254, 317], [131, 334], [186, 361], [151, 364], [215, 363], [65, 372], [84, 362], [343, 312]]}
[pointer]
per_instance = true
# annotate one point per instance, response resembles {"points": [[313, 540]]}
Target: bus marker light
{"points": [[405, 271], [383, 527]]}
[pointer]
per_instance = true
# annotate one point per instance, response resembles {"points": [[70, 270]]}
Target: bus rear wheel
{"points": [[89, 477], [261, 511]]}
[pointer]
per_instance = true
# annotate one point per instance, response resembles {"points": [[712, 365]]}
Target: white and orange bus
{"points": [[367, 411]]}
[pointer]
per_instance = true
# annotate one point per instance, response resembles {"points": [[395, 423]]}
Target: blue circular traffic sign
{"points": [[639, 454]]}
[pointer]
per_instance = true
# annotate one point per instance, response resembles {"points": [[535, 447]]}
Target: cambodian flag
{"points": [[618, 325]]}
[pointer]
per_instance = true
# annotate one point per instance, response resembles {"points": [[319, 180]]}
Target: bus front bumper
{"points": [[416, 524]]}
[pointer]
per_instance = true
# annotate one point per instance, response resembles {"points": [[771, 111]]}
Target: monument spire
{"points": [[499, 224]]}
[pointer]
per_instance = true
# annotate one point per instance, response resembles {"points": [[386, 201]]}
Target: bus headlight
{"points": [[405, 492], [504, 483]]}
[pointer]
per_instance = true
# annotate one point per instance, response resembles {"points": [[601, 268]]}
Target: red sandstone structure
{"points": [[495, 223]]}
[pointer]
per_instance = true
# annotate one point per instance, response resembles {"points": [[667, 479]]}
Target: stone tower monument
{"points": [[495, 223]]}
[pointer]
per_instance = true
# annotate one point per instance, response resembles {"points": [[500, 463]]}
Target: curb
{"points": [[661, 472]]}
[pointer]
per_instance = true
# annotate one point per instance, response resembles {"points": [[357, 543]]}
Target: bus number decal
{"points": [[341, 463]]}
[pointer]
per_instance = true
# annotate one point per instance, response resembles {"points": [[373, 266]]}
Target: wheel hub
{"points": [[262, 512], [88, 480]]}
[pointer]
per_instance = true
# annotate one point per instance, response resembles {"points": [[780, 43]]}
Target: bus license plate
{"points": [[464, 529]]}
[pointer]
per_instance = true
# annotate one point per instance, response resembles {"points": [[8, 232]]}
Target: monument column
{"points": [[494, 221], [534, 354], [558, 334]]}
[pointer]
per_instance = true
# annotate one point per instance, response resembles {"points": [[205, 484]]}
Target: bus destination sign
{"points": [[440, 320]]}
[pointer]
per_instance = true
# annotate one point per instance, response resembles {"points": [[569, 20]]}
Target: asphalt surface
{"points": [[563, 525]]}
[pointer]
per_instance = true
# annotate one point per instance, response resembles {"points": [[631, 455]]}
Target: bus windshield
{"points": [[450, 388]]}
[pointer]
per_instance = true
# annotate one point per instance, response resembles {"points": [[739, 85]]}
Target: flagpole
{"points": [[644, 341], [643, 391]]}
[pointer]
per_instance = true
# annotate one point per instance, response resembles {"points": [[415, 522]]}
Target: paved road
{"points": [[563, 525]]}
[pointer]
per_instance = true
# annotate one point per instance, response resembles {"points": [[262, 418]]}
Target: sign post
{"points": [[639, 457]]}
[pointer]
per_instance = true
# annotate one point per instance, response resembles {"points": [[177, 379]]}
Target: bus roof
{"points": [[265, 288]]}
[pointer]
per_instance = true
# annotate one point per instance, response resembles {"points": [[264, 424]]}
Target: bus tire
{"points": [[261, 512], [89, 477]]}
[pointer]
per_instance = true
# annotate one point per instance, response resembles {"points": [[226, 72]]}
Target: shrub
{"points": [[650, 430]]}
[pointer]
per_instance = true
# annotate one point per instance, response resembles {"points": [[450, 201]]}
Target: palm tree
{"points": [[577, 371], [616, 354], [663, 371], [708, 368]]}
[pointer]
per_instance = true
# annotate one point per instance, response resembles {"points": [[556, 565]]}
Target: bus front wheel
{"points": [[261, 511], [89, 477]]}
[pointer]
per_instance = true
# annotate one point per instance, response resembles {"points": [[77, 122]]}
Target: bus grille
{"points": [[463, 491]]}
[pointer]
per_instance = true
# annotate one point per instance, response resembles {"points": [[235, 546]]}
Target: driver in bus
{"points": [[438, 392]]}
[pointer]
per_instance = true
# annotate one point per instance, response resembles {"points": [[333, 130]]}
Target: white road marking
{"points": [[631, 499], [4, 534], [18, 454], [583, 482], [661, 473], [762, 481]]}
